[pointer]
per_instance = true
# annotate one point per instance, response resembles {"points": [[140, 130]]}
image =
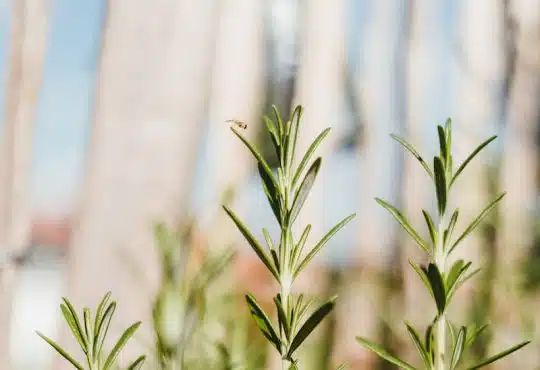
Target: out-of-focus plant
{"points": [[181, 304], [91, 334], [441, 280], [285, 259]]}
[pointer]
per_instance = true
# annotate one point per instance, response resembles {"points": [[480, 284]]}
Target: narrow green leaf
{"points": [[469, 158], [454, 273], [304, 189], [322, 243], [77, 323], [282, 317], [311, 323], [431, 227], [437, 285], [399, 217], [451, 225], [297, 252], [272, 131], [463, 280], [442, 144], [271, 192], [295, 125], [104, 328], [252, 242], [499, 355], [440, 184], [341, 367], [120, 344], [73, 326], [278, 120], [307, 156], [60, 351], [477, 221], [258, 157], [459, 346], [451, 330], [455, 278], [414, 152], [423, 276], [448, 134], [99, 313], [473, 333], [384, 354], [428, 338], [419, 346], [138, 363], [88, 332], [263, 322]]}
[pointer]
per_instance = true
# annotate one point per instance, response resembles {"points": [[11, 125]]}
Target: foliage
{"points": [[91, 334], [441, 282], [181, 303], [285, 259]]}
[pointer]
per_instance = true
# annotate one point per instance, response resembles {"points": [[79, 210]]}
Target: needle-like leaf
{"points": [[252, 242], [263, 322], [477, 221], [322, 243], [419, 345], [400, 218], [304, 189], [311, 323], [60, 351], [469, 158], [120, 344], [499, 356], [384, 354], [307, 156], [414, 152]]}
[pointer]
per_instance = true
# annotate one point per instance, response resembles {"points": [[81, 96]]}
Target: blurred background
{"points": [[113, 118]]}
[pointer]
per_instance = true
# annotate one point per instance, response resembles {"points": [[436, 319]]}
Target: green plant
{"points": [[286, 194], [180, 304], [440, 281], [91, 334]]}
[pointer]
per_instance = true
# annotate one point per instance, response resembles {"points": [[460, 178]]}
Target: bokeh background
{"points": [[113, 117]]}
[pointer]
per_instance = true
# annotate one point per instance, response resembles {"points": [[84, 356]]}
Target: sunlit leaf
{"points": [[440, 184], [59, 349], [384, 354], [419, 345], [477, 221], [499, 356], [399, 217], [304, 189], [307, 156], [469, 158], [322, 243], [459, 346], [128, 333], [252, 242], [311, 323], [414, 152], [263, 322]]}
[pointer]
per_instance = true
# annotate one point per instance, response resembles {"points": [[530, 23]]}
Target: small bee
{"points": [[237, 123]]}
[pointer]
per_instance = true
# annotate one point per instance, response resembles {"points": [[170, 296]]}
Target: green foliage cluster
{"points": [[181, 303], [440, 281]]}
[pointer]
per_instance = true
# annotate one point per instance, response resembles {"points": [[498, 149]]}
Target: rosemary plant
{"points": [[91, 334], [284, 259], [441, 280], [180, 304]]}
